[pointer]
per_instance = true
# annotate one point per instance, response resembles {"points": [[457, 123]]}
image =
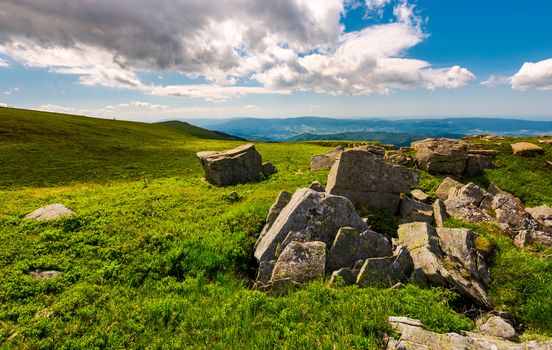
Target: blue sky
{"points": [[353, 58]]}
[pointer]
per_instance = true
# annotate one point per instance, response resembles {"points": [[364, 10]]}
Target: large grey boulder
{"points": [[386, 271], [445, 257], [52, 211], [414, 211], [239, 165], [350, 246], [309, 213], [325, 160], [367, 180], [442, 156], [301, 262], [414, 335], [466, 202], [281, 201]]}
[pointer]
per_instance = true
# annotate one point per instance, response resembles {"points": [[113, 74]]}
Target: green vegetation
{"points": [[199, 132], [156, 257]]}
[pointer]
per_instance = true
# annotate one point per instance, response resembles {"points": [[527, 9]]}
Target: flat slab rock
{"points": [[44, 275], [525, 148], [239, 165], [52, 211], [414, 335]]}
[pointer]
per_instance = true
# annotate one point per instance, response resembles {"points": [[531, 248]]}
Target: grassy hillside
{"points": [[199, 132], [156, 257]]}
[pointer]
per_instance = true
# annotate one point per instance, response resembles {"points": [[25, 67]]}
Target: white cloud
{"points": [[494, 80], [536, 75], [283, 46], [142, 105], [12, 91], [3, 104], [3, 64]]}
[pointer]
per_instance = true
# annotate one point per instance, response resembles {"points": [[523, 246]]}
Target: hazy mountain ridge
{"points": [[286, 129]]}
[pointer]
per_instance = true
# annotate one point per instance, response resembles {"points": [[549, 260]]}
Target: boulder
{"points": [[525, 149], [344, 275], [264, 272], [281, 201], [239, 165], [364, 178], [414, 335], [326, 160], [350, 246], [44, 275], [314, 213], [439, 213], [52, 211], [401, 158], [301, 262], [465, 203], [413, 211], [386, 271], [442, 156], [476, 163], [542, 214], [444, 188], [438, 261], [315, 185], [496, 326]]}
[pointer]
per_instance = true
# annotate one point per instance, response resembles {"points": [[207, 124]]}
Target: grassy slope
{"points": [[199, 132], [156, 257]]}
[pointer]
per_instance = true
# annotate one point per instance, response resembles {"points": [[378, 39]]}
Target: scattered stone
{"points": [[239, 165], [439, 213], [319, 214], [283, 199], [419, 195], [437, 261], [52, 211], [413, 211], [365, 179], [543, 214], [414, 335], [442, 156], [44, 275], [301, 262], [350, 246], [443, 190], [496, 326], [526, 149], [326, 160], [386, 271], [315, 185]]}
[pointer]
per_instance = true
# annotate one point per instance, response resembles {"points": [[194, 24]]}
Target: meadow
{"points": [[157, 258]]}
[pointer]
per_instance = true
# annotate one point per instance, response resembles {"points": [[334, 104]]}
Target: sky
{"points": [[166, 59]]}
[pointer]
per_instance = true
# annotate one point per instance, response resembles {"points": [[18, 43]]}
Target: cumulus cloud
{"points": [[536, 75], [494, 80], [239, 47]]}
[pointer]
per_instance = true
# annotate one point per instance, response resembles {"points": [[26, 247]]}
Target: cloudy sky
{"points": [[153, 60]]}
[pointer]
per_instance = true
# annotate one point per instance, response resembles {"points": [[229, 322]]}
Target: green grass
{"points": [[156, 257], [199, 132]]}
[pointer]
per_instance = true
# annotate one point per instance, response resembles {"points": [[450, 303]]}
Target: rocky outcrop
{"points": [[442, 156], [52, 211], [301, 262], [350, 246], [543, 214], [439, 213], [326, 160], [446, 257], [283, 199], [469, 203], [420, 195], [309, 216], [414, 335], [401, 157], [386, 271], [496, 326], [414, 211], [367, 180], [239, 165], [526, 149], [444, 188]]}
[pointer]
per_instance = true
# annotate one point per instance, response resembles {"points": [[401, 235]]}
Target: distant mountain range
{"points": [[398, 132]]}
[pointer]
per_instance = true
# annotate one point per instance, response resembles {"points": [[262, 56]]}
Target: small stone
{"points": [[49, 212], [419, 195], [497, 327], [264, 273], [44, 275]]}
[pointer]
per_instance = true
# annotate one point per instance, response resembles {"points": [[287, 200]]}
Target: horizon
{"points": [[342, 59]]}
